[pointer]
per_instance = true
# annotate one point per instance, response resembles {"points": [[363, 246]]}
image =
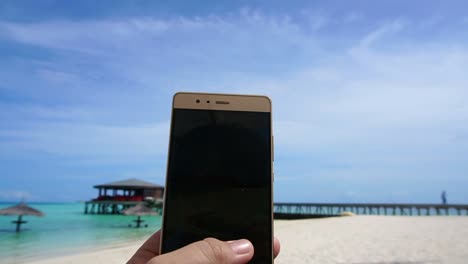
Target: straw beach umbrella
{"points": [[139, 210], [20, 210]]}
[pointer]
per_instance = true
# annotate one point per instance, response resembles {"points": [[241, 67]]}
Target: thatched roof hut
{"points": [[129, 184], [129, 190], [20, 210]]}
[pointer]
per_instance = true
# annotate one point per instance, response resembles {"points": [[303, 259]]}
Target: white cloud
{"points": [[362, 94], [84, 36], [386, 30], [89, 141], [14, 195], [315, 20], [101, 37], [353, 17], [57, 76], [39, 112]]}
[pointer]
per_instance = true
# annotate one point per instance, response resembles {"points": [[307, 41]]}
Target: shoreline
{"points": [[354, 239], [118, 253], [66, 254]]}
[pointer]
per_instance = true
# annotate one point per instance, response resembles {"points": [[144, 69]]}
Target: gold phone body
{"points": [[227, 102]]}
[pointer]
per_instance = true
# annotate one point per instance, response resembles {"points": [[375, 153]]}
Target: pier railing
{"points": [[305, 210], [310, 210]]}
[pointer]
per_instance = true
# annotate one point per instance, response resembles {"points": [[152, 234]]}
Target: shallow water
{"points": [[65, 229]]}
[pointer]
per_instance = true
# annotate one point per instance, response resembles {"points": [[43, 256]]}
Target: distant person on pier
{"points": [[444, 197]]}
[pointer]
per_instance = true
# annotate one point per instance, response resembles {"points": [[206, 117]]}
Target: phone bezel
{"points": [[251, 103], [236, 102]]}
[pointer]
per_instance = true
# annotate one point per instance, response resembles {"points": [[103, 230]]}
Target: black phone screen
{"points": [[219, 179]]}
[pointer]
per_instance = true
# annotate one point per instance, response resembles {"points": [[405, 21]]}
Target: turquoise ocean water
{"points": [[65, 229]]}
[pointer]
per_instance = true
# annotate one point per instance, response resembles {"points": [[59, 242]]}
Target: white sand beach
{"points": [[374, 239], [355, 239]]}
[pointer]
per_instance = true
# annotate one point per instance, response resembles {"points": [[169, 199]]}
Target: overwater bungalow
{"points": [[116, 196]]}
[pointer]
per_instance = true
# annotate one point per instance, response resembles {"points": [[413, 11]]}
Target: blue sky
{"points": [[370, 97]]}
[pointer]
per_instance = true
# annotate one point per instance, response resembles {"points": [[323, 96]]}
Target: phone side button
{"points": [[273, 148]]}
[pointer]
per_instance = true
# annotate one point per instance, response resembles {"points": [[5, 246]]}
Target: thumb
{"points": [[209, 251]]}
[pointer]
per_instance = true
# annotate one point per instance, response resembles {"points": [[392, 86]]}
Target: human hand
{"points": [[207, 251]]}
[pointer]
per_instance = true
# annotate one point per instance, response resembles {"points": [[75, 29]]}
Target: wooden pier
{"points": [[107, 207], [312, 210]]}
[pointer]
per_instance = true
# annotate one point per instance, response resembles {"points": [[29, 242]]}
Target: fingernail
{"points": [[241, 246]]}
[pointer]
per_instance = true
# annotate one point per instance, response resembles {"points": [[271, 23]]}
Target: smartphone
{"points": [[220, 172]]}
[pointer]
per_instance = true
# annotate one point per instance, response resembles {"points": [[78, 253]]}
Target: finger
{"points": [[148, 250], [210, 251], [276, 247]]}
